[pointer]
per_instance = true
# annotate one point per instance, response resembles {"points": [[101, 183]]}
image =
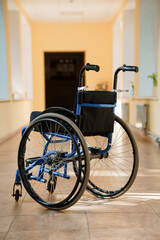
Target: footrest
{"points": [[94, 150], [32, 160]]}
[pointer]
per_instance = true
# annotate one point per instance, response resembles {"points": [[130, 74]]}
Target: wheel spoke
{"points": [[54, 183], [112, 174]]}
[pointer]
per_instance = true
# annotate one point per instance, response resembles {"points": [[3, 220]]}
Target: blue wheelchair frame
{"points": [[41, 160]]}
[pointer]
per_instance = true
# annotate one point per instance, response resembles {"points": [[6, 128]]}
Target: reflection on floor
{"points": [[136, 215]]}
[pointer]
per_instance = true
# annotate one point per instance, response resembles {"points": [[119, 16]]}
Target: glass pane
{"points": [[4, 92]]}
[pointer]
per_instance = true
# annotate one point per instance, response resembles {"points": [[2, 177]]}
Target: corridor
{"points": [[135, 215]]}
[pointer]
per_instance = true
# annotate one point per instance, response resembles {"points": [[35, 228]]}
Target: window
{"points": [[15, 51], [148, 45], [4, 91]]}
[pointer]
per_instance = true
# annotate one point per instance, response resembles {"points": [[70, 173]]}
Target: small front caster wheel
{"points": [[17, 192], [52, 184], [17, 195]]}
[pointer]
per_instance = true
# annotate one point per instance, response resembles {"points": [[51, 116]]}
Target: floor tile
{"points": [[133, 216], [7, 198], [121, 220], [31, 208], [52, 220], [121, 205], [8, 209], [49, 235], [123, 234], [155, 204], [2, 235], [5, 223]]}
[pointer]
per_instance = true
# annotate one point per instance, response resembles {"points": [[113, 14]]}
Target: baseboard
{"points": [[145, 135]]}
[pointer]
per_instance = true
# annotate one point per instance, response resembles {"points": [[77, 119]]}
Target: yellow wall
{"points": [[14, 114], [94, 39]]}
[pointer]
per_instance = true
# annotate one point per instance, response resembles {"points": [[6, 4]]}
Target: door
{"points": [[61, 78]]}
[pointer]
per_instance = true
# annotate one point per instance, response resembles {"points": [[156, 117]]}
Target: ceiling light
{"points": [[72, 13]]}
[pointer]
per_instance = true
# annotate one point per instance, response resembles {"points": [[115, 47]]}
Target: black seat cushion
{"points": [[59, 110], [34, 114]]}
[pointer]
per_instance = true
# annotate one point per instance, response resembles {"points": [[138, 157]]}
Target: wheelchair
{"points": [[63, 152]]}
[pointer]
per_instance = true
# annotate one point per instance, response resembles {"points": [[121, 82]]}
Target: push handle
{"points": [[89, 67], [130, 68], [124, 68]]}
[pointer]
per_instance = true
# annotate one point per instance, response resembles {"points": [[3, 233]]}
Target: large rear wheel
{"points": [[113, 173], [48, 150]]}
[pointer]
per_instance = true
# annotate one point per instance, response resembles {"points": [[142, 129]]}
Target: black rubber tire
{"points": [[71, 130], [17, 195], [114, 165]]}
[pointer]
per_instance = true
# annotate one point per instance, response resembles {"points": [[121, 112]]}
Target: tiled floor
{"points": [[136, 215]]}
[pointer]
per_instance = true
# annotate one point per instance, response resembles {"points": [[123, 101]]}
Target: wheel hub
{"points": [[105, 155], [54, 159]]}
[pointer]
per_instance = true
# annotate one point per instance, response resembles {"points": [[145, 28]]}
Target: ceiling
{"points": [[71, 10]]}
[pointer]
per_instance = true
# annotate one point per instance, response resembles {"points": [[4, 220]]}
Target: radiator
{"points": [[142, 116], [125, 112]]}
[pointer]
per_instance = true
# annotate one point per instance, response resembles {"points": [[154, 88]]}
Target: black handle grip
{"points": [[130, 68], [123, 68], [89, 67]]}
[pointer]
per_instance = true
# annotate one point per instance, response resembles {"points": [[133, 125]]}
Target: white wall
{"points": [[27, 56], [15, 53], [128, 49], [117, 43], [117, 56]]}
